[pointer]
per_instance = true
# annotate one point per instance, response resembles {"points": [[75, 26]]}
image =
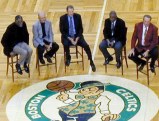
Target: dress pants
{"points": [[117, 47], [24, 51], [81, 42], [153, 54], [41, 50]]}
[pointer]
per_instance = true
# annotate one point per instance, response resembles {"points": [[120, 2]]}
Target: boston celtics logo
{"points": [[84, 98]]}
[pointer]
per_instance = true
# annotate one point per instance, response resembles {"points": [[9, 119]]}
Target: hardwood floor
{"points": [[131, 11]]}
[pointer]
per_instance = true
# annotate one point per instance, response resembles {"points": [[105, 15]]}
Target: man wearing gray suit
{"points": [[43, 38]]}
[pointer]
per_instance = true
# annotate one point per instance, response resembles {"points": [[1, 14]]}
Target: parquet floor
{"points": [[131, 11]]}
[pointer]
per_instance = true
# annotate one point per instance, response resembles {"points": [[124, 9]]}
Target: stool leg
{"points": [[12, 65], [38, 67], [82, 59], [147, 71], [55, 63], [37, 62], [122, 63], [137, 72], [29, 71], [37, 58], [125, 57], [65, 60], [77, 52], [7, 66], [106, 68]]}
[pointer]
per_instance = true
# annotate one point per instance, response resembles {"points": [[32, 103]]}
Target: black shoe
{"points": [[18, 68], [26, 68], [93, 66], [68, 61], [141, 66], [152, 68], [108, 60], [42, 61], [118, 65], [48, 59]]}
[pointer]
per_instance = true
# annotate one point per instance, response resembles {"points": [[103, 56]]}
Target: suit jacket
{"points": [[151, 39], [11, 36], [64, 25], [119, 30], [38, 34]]}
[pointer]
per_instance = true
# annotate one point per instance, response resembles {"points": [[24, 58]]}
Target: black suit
{"points": [[64, 29], [64, 25], [119, 31], [119, 35], [12, 37]]}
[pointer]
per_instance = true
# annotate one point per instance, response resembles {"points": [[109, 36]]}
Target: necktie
{"points": [[112, 28], [43, 29], [71, 31], [145, 33]]}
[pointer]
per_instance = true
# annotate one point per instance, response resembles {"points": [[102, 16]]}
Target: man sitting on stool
{"points": [[43, 38], [147, 35], [71, 29], [114, 37], [15, 41]]}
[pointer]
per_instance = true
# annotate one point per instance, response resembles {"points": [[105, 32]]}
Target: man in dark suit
{"points": [[72, 34], [114, 37], [144, 42], [15, 40]]}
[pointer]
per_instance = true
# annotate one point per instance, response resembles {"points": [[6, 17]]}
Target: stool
{"points": [[11, 62], [77, 52], [38, 65], [147, 70], [158, 51], [123, 56]]}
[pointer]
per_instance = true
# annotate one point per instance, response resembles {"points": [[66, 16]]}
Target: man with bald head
{"points": [[114, 37], [43, 38]]}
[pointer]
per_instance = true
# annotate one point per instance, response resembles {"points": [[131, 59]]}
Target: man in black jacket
{"points": [[15, 40], [114, 37], [72, 34]]}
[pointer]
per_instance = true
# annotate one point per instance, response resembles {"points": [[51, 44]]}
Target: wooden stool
{"points": [[147, 70], [147, 67], [11, 62], [123, 56], [158, 51], [77, 52], [38, 65]]}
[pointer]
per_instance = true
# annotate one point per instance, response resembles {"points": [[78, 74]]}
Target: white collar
{"points": [[144, 27]]}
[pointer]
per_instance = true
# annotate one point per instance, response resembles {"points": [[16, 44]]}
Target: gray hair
{"points": [[147, 16], [69, 7], [41, 14]]}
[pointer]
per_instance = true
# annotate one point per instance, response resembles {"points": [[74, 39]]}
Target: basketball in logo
{"points": [[60, 86]]}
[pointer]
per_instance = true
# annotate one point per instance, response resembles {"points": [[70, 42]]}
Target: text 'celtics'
{"points": [[129, 97]]}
